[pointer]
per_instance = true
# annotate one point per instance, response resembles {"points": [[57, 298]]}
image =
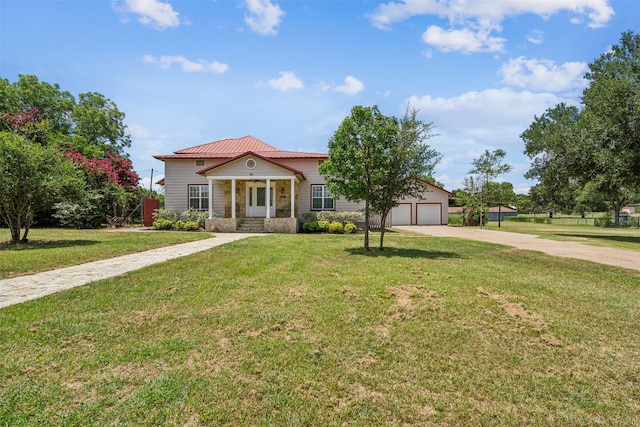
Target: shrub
{"points": [[186, 225], [310, 227], [308, 217], [163, 224], [323, 226], [455, 219], [73, 215], [336, 227], [174, 216], [350, 228], [604, 221], [341, 217]]}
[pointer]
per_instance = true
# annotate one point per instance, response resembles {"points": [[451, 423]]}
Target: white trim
{"points": [[210, 199], [293, 200], [233, 198], [252, 177], [268, 201]]}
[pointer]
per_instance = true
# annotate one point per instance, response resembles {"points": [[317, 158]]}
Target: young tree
{"points": [[488, 166], [378, 160], [407, 160], [32, 178], [356, 153]]}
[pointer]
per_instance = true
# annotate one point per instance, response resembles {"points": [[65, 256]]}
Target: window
{"points": [[321, 199], [199, 162], [199, 197], [250, 163]]}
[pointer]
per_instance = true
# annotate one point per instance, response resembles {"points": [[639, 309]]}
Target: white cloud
{"points": [[153, 13], [264, 17], [472, 122], [351, 86], [287, 80], [464, 40], [188, 66], [472, 23], [535, 37], [544, 75]]}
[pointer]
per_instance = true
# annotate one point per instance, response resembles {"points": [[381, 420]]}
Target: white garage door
{"points": [[428, 214], [401, 215]]}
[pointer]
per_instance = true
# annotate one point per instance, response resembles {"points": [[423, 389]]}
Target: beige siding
{"points": [[178, 175]]}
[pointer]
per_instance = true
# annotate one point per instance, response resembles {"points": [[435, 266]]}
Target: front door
{"points": [[257, 200]]}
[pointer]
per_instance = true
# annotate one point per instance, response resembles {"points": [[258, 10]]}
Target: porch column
{"points": [[293, 200], [233, 198], [210, 199], [268, 198]]}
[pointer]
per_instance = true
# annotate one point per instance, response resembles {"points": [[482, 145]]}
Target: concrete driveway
{"points": [[602, 255]]}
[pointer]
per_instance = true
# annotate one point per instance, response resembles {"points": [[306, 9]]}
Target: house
{"points": [[236, 179]]}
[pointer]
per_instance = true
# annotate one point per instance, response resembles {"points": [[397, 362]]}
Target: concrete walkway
{"points": [[603, 255], [20, 289]]}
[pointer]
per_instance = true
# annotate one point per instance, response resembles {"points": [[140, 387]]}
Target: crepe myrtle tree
{"points": [[378, 159]]}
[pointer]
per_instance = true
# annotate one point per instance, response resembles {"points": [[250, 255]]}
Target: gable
{"points": [[250, 165]]}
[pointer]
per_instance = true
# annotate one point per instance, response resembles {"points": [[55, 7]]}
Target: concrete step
{"points": [[251, 225]]}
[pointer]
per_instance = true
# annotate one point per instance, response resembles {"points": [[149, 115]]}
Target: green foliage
{"points": [[323, 226], [350, 228], [186, 225], [174, 216], [308, 217], [310, 227], [342, 217], [336, 227], [163, 224], [32, 179], [85, 214], [455, 219], [597, 146], [378, 160]]}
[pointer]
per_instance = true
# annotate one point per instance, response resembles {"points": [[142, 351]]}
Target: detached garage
{"points": [[430, 210]]}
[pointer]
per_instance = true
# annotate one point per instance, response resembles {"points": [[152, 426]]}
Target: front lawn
{"points": [[307, 330], [51, 248]]}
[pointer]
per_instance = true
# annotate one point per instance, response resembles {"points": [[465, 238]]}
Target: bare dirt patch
{"points": [[517, 310]]}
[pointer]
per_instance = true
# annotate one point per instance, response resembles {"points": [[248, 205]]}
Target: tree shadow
{"points": [[391, 252], [624, 239], [45, 244]]}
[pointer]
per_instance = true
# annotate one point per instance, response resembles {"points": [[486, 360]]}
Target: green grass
{"points": [[620, 238], [54, 248], [308, 330]]}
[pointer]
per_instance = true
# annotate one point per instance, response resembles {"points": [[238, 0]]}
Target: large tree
{"points": [[487, 167], [93, 125], [32, 178], [377, 159], [90, 131], [599, 145]]}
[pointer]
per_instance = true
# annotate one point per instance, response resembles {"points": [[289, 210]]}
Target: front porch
{"points": [[245, 205], [251, 186]]}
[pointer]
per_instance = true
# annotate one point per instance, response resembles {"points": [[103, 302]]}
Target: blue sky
{"points": [[288, 72]]}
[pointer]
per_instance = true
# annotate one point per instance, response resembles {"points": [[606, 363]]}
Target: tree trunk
{"points": [[383, 221], [14, 227], [366, 225]]}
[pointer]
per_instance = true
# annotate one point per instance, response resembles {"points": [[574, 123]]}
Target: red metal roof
{"points": [[233, 147]]}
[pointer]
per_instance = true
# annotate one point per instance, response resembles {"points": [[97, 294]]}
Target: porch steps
{"points": [[251, 225]]}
